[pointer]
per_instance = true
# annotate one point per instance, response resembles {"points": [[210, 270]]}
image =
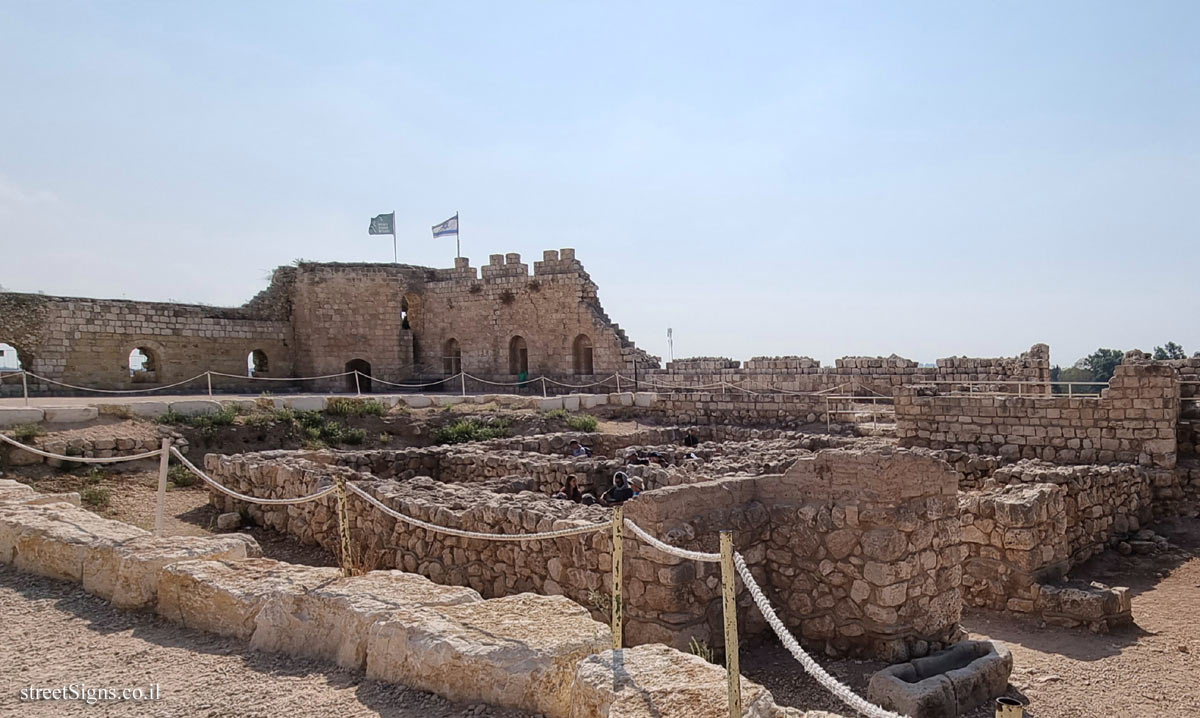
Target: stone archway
{"points": [[363, 381]]}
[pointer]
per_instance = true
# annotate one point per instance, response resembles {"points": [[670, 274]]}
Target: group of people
{"points": [[622, 490]]}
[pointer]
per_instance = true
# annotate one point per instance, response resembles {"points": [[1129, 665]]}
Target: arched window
{"points": [[404, 323], [451, 357], [256, 363], [582, 354], [143, 365], [518, 356], [410, 310], [361, 381]]}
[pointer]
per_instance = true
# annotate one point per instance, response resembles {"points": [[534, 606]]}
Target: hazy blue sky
{"points": [[814, 178]]}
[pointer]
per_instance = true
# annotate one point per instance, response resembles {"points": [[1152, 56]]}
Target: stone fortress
{"points": [[966, 484], [398, 323]]}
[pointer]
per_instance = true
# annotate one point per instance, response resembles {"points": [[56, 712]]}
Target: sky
{"points": [[792, 178]]}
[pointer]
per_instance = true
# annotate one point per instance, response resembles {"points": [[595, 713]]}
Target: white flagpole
{"points": [[395, 257], [457, 236]]}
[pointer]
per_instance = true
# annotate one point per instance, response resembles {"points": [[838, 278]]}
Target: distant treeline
{"points": [[1100, 365]]}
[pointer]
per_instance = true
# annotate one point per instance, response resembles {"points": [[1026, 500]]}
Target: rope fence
{"points": [[729, 559]]}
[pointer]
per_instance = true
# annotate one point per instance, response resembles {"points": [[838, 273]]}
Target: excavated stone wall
{"points": [[1133, 421], [862, 549]]}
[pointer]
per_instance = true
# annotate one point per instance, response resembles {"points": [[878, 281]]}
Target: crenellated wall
{"points": [[393, 321], [881, 375]]}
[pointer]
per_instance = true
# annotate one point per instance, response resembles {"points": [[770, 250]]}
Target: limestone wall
{"points": [[315, 318], [877, 374], [1133, 421], [870, 539], [88, 341]]}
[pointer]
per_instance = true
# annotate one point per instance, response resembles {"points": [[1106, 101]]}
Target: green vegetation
{"points": [[25, 432], [560, 414], [385, 438], [181, 476], [316, 428], [582, 422], [344, 406], [1170, 351], [471, 429], [96, 497], [206, 423], [1100, 365]]}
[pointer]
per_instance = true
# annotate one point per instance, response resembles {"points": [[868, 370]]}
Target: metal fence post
{"points": [[343, 526], [164, 461], [729, 609], [618, 610]]}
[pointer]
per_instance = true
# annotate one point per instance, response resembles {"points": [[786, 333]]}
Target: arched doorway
{"points": [[363, 381], [143, 365], [581, 352], [451, 357], [257, 363], [518, 356]]}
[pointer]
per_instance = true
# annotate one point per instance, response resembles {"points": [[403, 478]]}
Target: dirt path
{"points": [[1148, 670], [53, 635]]}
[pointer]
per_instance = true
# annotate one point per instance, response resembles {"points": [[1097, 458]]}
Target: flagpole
{"points": [[395, 257], [457, 236]]}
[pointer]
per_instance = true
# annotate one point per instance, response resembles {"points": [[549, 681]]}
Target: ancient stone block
{"points": [[131, 579], [519, 651], [224, 597], [332, 621]]}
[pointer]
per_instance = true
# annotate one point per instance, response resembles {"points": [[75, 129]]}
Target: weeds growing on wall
{"points": [[702, 649], [25, 432], [344, 406], [471, 429]]}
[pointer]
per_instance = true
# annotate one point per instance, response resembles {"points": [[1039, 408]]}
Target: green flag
{"points": [[383, 224]]}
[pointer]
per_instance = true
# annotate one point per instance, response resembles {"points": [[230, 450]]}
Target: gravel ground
{"points": [[53, 635]]}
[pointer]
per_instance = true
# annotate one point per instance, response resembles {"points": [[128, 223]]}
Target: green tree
{"points": [[1170, 351], [1101, 363]]}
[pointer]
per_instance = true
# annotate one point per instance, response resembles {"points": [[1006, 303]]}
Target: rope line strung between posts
{"points": [[243, 497], [280, 378], [581, 386], [82, 459], [669, 549], [411, 386], [118, 391], [473, 534], [814, 669], [501, 383]]}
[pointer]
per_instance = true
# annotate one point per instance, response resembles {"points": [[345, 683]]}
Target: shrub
{"points": [[172, 417], [582, 422], [466, 430], [560, 414], [25, 432], [385, 438], [181, 476], [259, 421], [344, 406], [94, 476], [354, 436], [95, 496]]}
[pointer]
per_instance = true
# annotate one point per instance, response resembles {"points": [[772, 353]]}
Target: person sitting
{"points": [[588, 499], [577, 450], [656, 459], [633, 458], [620, 492], [571, 489], [636, 484], [691, 440]]}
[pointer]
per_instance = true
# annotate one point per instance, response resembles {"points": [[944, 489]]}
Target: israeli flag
{"points": [[446, 228]]}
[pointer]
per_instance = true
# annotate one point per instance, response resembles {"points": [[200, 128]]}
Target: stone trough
{"points": [[946, 684]]}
